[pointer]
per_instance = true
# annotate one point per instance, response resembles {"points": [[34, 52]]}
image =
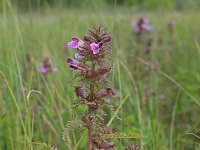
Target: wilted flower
{"points": [[106, 145], [79, 92], [103, 70], [46, 66]]}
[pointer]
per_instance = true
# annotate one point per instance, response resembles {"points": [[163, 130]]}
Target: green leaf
{"points": [[70, 126]]}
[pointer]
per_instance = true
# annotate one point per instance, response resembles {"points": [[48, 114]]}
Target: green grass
{"points": [[166, 124]]}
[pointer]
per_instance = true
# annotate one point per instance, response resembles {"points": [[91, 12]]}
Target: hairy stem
{"points": [[92, 84], [90, 142]]}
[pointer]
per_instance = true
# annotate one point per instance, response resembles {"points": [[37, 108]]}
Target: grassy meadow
{"points": [[160, 103]]}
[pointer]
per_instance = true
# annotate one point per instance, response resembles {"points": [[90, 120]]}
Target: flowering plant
{"points": [[94, 89]]}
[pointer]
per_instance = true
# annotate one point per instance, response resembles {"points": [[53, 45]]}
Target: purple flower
{"points": [[76, 43], [46, 66], [80, 54], [141, 25], [77, 65], [95, 48], [43, 69], [65, 46], [147, 27], [77, 55], [135, 27], [73, 63]]}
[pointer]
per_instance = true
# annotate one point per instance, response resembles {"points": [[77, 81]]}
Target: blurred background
{"points": [[156, 53], [38, 5]]}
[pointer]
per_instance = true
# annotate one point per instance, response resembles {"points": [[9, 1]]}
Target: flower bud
{"points": [[103, 93], [79, 92], [106, 39], [89, 39], [77, 65], [102, 71], [46, 66], [115, 93], [107, 130]]}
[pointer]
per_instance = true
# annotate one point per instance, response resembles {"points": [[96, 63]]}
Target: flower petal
{"points": [[73, 44], [77, 56], [95, 48]]}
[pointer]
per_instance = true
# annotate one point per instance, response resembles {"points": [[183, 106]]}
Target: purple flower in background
{"points": [[76, 43], [43, 69], [135, 27], [95, 48], [142, 25], [46, 66], [65, 47], [146, 25]]}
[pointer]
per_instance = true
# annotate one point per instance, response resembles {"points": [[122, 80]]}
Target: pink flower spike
{"points": [[95, 48]]}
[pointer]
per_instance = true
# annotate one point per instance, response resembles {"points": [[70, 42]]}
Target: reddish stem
{"points": [[90, 143]]}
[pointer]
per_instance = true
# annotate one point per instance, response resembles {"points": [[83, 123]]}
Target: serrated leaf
{"points": [[70, 126], [120, 135]]}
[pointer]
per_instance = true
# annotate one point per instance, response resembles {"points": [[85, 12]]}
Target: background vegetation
{"points": [[168, 118], [136, 4]]}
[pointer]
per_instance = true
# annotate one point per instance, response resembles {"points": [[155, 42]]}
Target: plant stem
{"points": [[90, 142], [90, 145], [92, 84]]}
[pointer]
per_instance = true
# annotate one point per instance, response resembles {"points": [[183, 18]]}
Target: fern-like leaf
{"points": [[70, 126], [119, 135]]}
